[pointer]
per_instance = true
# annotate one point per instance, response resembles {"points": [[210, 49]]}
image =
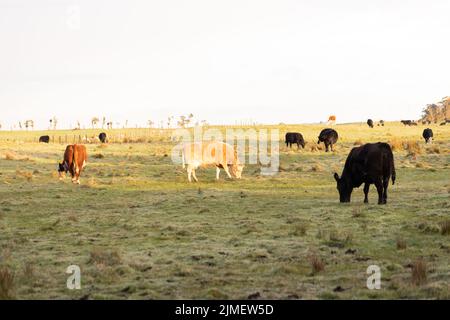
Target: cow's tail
{"points": [[394, 175]]}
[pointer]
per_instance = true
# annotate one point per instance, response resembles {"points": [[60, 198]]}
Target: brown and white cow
{"points": [[75, 158], [211, 154]]}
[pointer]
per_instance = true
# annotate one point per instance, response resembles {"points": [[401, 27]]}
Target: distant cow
{"points": [[428, 135], [75, 158], [44, 139], [294, 138], [329, 137], [409, 122], [331, 120], [372, 163], [370, 123], [211, 154], [102, 137], [381, 123]]}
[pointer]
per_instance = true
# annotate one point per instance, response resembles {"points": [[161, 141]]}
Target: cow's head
{"points": [[236, 170], [344, 188], [63, 168]]}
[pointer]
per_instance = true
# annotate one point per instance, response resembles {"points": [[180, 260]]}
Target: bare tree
{"points": [[94, 122], [150, 123], [185, 120], [103, 123], [29, 124]]}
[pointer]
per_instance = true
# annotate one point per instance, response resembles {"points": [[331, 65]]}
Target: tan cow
{"points": [[75, 158], [209, 154]]}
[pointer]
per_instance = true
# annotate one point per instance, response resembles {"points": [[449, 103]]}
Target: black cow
{"points": [[407, 122], [328, 137], [44, 139], [428, 135], [102, 137], [294, 138], [381, 123], [370, 123], [372, 163]]}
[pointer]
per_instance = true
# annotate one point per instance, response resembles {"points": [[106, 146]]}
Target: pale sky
{"points": [[225, 61]]}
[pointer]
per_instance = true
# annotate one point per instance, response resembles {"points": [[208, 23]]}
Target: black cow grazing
{"points": [[44, 139], [428, 135], [381, 123], [329, 137], [294, 138], [407, 122], [372, 163], [102, 137], [370, 123]]}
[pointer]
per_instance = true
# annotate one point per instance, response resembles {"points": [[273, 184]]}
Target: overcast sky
{"points": [[225, 61]]}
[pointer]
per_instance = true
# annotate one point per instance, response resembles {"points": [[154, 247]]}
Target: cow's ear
{"points": [[336, 177]]}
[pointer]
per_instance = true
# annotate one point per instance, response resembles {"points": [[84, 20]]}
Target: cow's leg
{"points": [[385, 187], [379, 186], [331, 147], [366, 192], [326, 147], [193, 175], [217, 173], [189, 172], [298, 145], [227, 172]]}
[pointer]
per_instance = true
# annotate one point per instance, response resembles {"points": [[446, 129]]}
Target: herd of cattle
{"points": [[372, 163]]}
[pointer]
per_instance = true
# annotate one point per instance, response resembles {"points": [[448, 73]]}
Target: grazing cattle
{"points": [[211, 154], [329, 137], [102, 137], [370, 123], [381, 123], [75, 158], [294, 138], [428, 135], [44, 139], [372, 163], [409, 122]]}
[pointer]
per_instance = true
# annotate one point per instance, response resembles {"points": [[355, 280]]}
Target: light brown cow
{"points": [[75, 158], [209, 154]]}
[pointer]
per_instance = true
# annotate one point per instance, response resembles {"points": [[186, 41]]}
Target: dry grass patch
{"points": [[413, 148], [105, 257], [10, 155], [25, 174], [419, 272], [445, 227], [6, 284]]}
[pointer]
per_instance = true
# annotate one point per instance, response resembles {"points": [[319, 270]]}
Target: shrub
{"points": [[401, 244], [419, 272], [317, 263]]}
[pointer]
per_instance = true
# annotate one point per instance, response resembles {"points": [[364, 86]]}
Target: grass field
{"points": [[138, 230]]}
